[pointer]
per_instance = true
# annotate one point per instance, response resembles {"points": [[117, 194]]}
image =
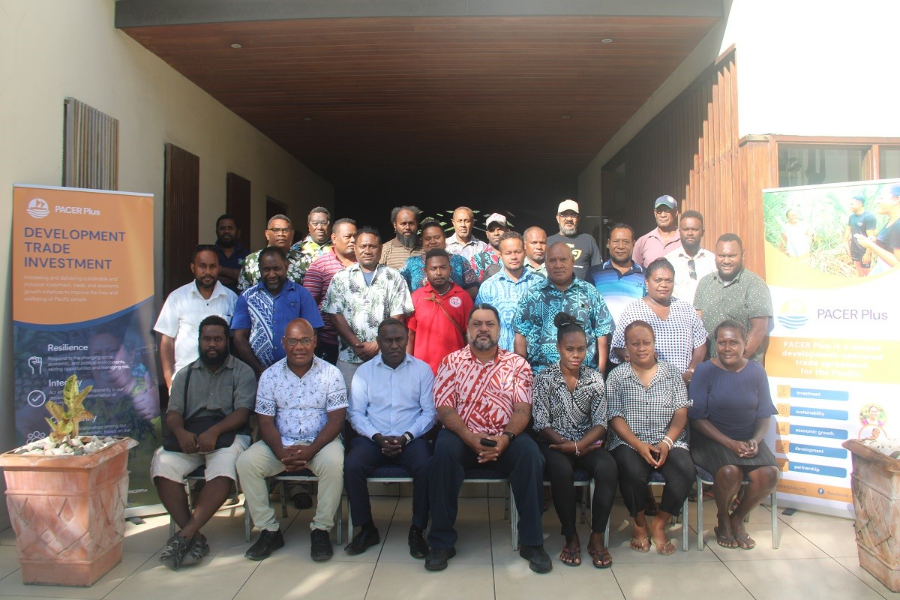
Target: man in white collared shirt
{"points": [[186, 307], [392, 408], [692, 263]]}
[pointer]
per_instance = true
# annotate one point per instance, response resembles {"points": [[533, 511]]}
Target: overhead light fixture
{"points": [[236, 46], [307, 118], [606, 40], [565, 116]]}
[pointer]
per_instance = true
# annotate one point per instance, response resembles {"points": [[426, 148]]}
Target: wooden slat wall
{"points": [[90, 148], [691, 151], [181, 215], [237, 204]]}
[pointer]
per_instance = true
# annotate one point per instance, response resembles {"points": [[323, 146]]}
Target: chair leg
{"points": [[701, 543], [685, 544], [774, 507], [513, 519], [339, 521], [282, 491]]}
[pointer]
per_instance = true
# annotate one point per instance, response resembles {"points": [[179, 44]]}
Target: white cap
{"points": [[567, 205], [495, 218]]}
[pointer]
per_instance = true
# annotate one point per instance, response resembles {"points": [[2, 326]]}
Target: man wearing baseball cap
{"points": [[485, 263], [664, 238], [584, 247]]}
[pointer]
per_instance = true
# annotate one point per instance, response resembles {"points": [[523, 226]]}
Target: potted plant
{"points": [[66, 497], [876, 499]]}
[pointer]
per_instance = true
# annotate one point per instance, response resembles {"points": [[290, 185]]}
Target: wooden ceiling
{"points": [[433, 100]]}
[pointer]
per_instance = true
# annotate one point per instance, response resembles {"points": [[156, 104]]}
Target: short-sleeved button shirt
{"points": [[366, 306], [743, 298], [310, 250], [300, 405], [267, 317], [238, 254], [460, 272], [650, 246], [466, 250], [483, 393], [676, 337], [316, 281], [504, 294], [647, 410], [484, 264], [704, 263], [569, 413], [211, 394], [182, 313], [249, 276], [536, 311], [395, 255]]}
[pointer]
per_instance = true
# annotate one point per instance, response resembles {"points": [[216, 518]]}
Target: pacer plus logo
{"points": [[38, 208], [793, 314]]}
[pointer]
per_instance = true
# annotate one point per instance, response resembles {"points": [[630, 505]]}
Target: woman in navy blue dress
{"points": [[731, 413]]}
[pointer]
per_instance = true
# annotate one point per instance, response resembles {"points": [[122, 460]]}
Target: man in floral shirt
{"points": [[318, 242], [279, 233], [359, 298]]}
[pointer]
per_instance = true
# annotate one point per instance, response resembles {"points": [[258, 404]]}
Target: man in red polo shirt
{"points": [[438, 325]]}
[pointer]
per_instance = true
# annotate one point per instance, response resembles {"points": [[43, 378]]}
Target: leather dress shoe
{"points": [[320, 549], [537, 558], [418, 548], [367, 537], [268, 542], [437, 558]]}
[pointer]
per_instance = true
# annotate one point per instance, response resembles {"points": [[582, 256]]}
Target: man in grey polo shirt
{"points": [[733, 292], [220, 391]]}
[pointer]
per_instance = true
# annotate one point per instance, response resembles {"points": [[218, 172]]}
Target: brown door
{"points": [[181, 216], [237, 204]]}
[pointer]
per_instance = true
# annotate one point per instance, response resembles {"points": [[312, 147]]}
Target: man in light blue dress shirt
{"points": [[392, 408], [504, 289]]}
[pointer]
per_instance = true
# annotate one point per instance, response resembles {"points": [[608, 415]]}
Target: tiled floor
{"points": [[816, 559]]}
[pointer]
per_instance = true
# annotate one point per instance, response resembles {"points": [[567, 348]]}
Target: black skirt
{"points": [[712, 455]]}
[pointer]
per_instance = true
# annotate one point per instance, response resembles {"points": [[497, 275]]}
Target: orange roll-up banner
{"points": [[82, 281]]}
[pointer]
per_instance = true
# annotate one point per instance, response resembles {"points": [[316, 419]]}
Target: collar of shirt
{"points": [[455, 240], [218, 290], [238, 247], [429, 289], [288, 286], [468, 355], [733, 280], [378, 361], [313, 367], [701, 253], [523, 278], [549, 285], [228, 364], [355, 268], [635, 268]]}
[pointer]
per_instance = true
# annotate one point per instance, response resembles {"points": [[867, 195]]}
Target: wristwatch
{"points": [[408, 437], [511, 435]]}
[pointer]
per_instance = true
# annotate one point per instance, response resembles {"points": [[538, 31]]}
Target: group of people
{"points": [[526, 354]]}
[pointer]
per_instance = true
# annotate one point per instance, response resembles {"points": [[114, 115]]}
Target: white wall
{"points": [[805, 67], [51, 49]]}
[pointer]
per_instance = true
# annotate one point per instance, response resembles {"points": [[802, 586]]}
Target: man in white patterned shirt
{"points": [[359, 298], [301, 403]]}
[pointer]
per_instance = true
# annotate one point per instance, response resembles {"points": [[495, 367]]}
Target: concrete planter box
{"points": [[876, 499], [68, 513]]}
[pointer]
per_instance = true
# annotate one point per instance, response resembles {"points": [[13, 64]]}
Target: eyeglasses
{"points": [[693, 268], [305, 342], [279, 230], [319, 223]]}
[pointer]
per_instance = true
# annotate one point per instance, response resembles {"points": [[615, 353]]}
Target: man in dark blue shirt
{"points": [[230, 250]]}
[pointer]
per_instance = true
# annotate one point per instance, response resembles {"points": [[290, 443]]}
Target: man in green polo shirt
{"points": [[732, 292]]}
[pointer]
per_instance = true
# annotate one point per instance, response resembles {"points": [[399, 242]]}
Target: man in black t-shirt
{"points": [[862, 222], [584, 247]]}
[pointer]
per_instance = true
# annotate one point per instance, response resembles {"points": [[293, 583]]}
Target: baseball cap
{"points": [[567, 205], [667, 201], [495, 218]]}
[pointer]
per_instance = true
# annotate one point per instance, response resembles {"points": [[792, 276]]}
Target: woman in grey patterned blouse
{"points": [[569, 409], [648, 410]]}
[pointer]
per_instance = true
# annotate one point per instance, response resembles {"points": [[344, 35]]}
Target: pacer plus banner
{"points": [[834, 354], [82, 282]]}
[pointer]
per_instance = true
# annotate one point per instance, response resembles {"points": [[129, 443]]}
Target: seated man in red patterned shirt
{"points": [[483, 398]]}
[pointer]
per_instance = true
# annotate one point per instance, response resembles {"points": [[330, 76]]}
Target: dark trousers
{"points": [[634, 474], [327, 352], [521, 462], [364, 456], [600, 466]]}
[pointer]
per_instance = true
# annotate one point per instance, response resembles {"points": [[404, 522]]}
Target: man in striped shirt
{"points": [[318, 277]]}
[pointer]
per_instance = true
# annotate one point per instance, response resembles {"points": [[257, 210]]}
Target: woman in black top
{"points": [[569, 408]]}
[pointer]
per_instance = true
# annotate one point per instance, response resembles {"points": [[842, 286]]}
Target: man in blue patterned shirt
{"points": [[505, 289], [561, 292]]}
